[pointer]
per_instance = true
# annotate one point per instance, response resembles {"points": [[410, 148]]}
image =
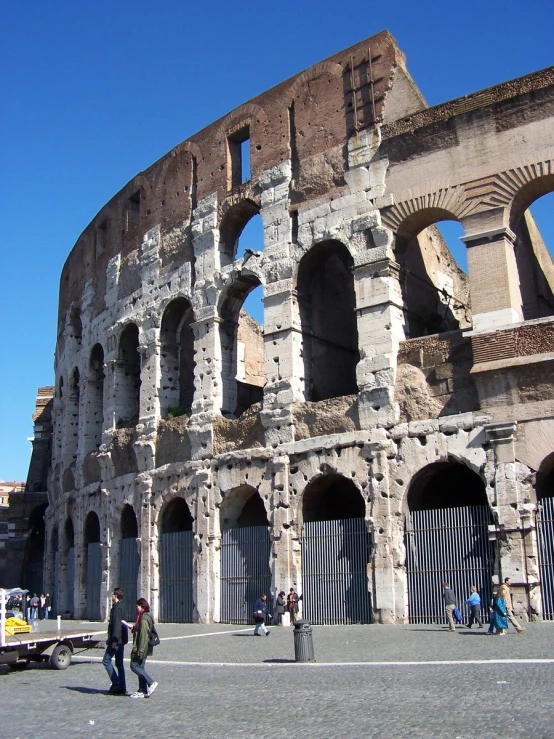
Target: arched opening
{"points": [[72, 402], [68, 606], [34, 550], [245, 553], [545, 534], [532, 221], [128, 377], [435, 289], [336, 551], [242, 349], [235, 235], [94, 417], [176, 570], [447, 539], [327, 306], [177, 359], [93, 567], [54, 549], [129, 560], [75, 325]]}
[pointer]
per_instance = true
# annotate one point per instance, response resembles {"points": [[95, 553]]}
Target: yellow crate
{"points": [[17, 626]]}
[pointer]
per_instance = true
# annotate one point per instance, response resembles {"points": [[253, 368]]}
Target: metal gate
{"points": [[70, 582], [176, 577], [129, 563], [94, 581], [245, 573], [447, 545], [545, 535], [335, 556]]}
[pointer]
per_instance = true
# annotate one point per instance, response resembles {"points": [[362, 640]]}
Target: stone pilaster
{"points": [[205, 559]]}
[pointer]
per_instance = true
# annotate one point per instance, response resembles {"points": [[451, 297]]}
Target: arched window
{"points": [[93, 567], [129, 560], [128, 377], [95, 401], [233, 224], [177, 359], [435, 289], [532, 221], [327, 306], [176, 567]]}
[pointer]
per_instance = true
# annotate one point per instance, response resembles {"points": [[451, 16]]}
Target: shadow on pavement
{"points": [[275, 660], [80, 689]]}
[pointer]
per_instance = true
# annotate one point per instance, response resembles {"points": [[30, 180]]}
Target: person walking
{"points": [[259, 614], [115, 645], [491, 614], [142, 649], [509, 607], [35, 602], [47, 606], [500, 614], [449, 605], [280, 605], [474, 603], [292, 604]]}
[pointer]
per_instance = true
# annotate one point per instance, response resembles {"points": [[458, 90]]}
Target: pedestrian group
{"points": [[500, 609]]}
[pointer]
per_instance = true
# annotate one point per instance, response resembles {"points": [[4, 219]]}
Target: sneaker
{"points": [[267, 633], [115, 689], [151, 689], [138, 694]]}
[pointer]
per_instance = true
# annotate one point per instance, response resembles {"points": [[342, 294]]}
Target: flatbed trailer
{"points": [[52, 645]]}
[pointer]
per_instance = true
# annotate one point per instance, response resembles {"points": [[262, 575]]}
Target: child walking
{"points": [[474, 603]]}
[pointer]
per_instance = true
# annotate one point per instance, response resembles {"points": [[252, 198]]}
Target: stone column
{"points": [[380, 330], [493, 272], [284, 570], [390, 594], [205, 559], [79, 596], [516, 540], [208, 394], [147, 540]]}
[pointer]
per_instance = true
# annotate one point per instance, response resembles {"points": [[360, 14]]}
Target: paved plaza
{"points": [[219, 682]]}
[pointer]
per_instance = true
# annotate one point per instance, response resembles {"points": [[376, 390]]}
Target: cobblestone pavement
{"points": [[416, 681]]}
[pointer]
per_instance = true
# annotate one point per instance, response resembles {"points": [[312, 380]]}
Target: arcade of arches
{"points": [[383, 419]]}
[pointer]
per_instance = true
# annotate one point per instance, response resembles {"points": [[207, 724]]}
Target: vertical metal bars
{"points": [[447, 545], [55, 584], [545, 535], [335, 556], [129, 563], [176, 577], [94, 581], [245, 573]]}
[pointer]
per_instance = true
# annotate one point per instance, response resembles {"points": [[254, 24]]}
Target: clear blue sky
{"points": [[92, 93]]}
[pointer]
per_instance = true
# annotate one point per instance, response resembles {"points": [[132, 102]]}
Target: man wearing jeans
{"points": [[449, 604], [260, 612], [115, 645]]}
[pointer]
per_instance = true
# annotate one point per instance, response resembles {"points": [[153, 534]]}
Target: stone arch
{"points": [[528, 183], [128, 376], [238, 332], [242, 507], [446, 538], [94, 421], [332, 497], [544, 484], [92, 566], [128, 523], [34, 549], [435, 290], [177, 358], [69, 533], [175, 516], [92, 528], [75, 324], [176, 561], [445, 484], [534, 261], [330, 68], [232, 224], [247, 111], [327, 305]]}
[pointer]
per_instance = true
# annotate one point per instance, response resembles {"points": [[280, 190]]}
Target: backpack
{"points": [[153, 639]]}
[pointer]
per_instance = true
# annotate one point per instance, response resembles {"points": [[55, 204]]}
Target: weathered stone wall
{"points": [[378, 358]]}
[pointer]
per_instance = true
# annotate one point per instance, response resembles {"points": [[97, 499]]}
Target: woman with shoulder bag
{"points": [[144, 625]]}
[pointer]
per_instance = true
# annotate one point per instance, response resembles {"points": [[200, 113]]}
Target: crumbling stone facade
{"points": [[379, 360]]}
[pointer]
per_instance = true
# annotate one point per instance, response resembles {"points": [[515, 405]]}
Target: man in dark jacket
{"points": [[260, 612], [115, 645], [449, 604]]}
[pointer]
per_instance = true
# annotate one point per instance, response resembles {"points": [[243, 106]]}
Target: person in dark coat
{"points": [[115, 645], [260, 612], [142, 649], [280, 605]]}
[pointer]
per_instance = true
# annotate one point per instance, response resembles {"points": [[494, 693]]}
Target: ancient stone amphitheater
{"points": [[390, 422]]}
